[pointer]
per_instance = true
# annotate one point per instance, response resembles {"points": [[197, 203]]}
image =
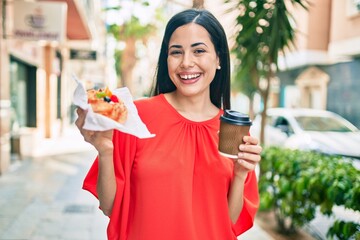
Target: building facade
{"points": [[35, 69], [324, 70]]}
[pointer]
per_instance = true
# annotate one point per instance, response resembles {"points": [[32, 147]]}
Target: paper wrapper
{"points": [[98, 122]]}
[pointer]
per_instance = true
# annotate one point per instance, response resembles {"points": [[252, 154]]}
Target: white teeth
{"points": [[189, 76]]}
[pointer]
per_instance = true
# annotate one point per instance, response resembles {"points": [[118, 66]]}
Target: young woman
{"points": [[176, 185]]}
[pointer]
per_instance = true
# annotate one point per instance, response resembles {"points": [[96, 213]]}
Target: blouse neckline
{"points": [[215, 118]]}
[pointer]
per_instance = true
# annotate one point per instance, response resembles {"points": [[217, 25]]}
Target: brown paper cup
{"points": [[233, 127]]}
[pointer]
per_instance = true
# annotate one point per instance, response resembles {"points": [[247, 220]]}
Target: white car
{"points": [[309, 129], [318, 130]]}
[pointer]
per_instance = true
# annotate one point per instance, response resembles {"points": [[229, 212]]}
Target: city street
{"points": [[41, 197], [300, 89]]}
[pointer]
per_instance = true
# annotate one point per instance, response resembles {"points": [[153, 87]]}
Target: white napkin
{"points": [[98, 122]]}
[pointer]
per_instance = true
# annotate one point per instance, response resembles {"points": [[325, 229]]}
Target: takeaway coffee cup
{"points": [[233, 127]]}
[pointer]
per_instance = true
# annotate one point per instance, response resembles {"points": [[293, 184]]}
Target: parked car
{"points": [[309, 129], [317, 130]]}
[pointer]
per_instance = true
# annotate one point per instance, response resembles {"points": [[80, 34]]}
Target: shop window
{"points": [[23, 93]]}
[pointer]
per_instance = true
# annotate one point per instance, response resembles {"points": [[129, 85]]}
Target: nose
{"points": [[187, 61]]}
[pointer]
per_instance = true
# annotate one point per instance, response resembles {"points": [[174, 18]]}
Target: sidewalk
{"points": [[41, 198], [70, 141], [255, 233]]}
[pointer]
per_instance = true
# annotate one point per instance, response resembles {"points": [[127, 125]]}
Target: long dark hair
{"points": [[220, 86]]}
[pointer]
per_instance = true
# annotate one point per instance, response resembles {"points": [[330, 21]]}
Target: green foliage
{"points": [[345, 230], [296, 183], [132, 28], [265, 30]]}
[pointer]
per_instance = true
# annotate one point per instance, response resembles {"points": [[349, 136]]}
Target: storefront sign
{"points": [[82, 54], [40, 20]]}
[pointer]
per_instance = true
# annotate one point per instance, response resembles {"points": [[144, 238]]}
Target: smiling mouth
{"points": [[189, 76]]}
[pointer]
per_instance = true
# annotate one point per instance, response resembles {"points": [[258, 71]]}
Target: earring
{"points": [[218, 67]]}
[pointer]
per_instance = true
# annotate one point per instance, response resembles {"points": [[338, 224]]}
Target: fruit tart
{"points": [[105, 103]]}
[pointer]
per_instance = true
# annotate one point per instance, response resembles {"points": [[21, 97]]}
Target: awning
{"points": [[77, 27]]}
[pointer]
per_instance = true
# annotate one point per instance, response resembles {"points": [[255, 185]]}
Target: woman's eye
{"points": [[175, 52], [199, 51]]}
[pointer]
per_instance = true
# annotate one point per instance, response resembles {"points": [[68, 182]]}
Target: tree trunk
{"points": [[263, 119], [198, 4], [251, 107], [265, 97], [128, 62]]}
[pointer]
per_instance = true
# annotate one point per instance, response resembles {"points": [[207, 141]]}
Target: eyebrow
{"points": [[192, 45]]}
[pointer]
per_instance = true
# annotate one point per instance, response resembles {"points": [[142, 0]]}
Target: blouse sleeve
{"points": [[123, 156], [250, 207]]}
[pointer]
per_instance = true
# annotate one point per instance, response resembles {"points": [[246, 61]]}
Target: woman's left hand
{"points": [[248, 157]]}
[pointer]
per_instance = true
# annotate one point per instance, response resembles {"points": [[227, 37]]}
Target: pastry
{"points": [[105, 103]]}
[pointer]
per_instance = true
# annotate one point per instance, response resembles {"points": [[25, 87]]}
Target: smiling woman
{"points": [[176, 185], [192, 62]]}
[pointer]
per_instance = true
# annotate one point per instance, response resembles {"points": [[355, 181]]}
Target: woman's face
{"points": [[192, 60]]}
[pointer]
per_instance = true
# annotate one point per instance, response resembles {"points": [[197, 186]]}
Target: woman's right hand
{"points": [[101, 140]]}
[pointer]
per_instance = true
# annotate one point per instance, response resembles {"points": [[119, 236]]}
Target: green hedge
{"points": [[294, 184]]}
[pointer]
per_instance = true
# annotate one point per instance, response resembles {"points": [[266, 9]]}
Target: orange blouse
{"points": [[175, 185]]}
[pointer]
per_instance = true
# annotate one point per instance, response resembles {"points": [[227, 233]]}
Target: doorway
{"points": [[22, 99]]}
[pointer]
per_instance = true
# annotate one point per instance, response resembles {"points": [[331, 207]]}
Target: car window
{"points": [[283, 124], [317, 123], [281, 121]]}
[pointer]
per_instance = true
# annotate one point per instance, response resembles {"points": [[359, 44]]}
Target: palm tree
{"points": [[125, 59], [129, 33], [265, 30]]}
